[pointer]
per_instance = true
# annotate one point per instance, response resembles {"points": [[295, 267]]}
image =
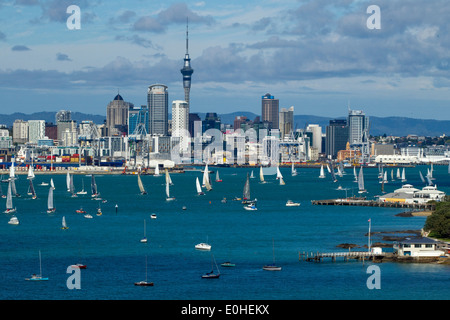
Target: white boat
{"points": [[273, 266], [217, 176], [144, 239], [199, 188], [203, 246], [251, 207], [88, 216], [9, 204], [322, 173], [64, 224], [206, 179], [168, 178], [279, 175], [156, 170], [403, 175], [50, 207], [153, 216], [30, 173], [13, 220], [252, 176], [68, 181], [291, 203], [144, 283], [361, 181], [38, 277], [82, 188], [141, 185], [43, 184], [168, 197]]}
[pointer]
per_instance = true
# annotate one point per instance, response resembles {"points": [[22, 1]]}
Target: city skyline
{"points": [[318, 56]]}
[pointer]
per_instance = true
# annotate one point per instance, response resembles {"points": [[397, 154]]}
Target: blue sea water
{"points": [[110, 244]]}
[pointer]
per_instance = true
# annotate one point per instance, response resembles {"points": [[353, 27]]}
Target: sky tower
{"points": [[187, 70]]}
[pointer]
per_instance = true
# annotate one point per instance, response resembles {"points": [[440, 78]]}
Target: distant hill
{"points": [[395, 126], [8, 119]]}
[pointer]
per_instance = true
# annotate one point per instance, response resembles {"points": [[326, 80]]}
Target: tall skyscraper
{"points": [[269, 110], [157, 100], [117, 116], [187, 71], [336, 137], [180, 122], [358, 130], [286, 121]]}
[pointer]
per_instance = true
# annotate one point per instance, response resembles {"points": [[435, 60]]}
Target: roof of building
{"points": [[418, 240], [118, 97]]}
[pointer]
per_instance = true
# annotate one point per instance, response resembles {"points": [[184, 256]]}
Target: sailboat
{"points": [[31, 190], [156, 174], [9, 204], [421, 177], [51, 184], [94, 187], [293, 170], [144, 283], [212, 275], [64, 224], [403, 175], [272, 267], [217, 177], [361, 181], [322, 173], [354, 174], [72, 187], [141, 186], [68, 181], [168, 178], [398, 174], [246, 192], [251, 175], [79, 192], [261, 175], [50, 206], [38, 277], [199, 188], [282, 181], [144, 239], [168, 198], [279, 175]]}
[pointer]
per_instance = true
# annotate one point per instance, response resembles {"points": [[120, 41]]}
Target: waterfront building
{"points": [[336, 137], [20, 131], [409, 194], [269, 110], [286, 121], [316, 138], [36, 130], [187, 71], [117, 116], [417, 247], [157, 102], [180, 123]]}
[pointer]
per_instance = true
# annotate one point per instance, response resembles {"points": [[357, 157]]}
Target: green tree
{"points": [[439, 221]]}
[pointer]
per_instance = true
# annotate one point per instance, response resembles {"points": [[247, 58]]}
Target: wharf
{"points": [[358, 201], [360, 255]]}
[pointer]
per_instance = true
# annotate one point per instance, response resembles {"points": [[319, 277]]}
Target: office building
{"points": [[36, 130], [358, 131], [269, 110], [336, 137], [20, 131], [117, 116], [157, 102], [286, 121], [180, 123]]}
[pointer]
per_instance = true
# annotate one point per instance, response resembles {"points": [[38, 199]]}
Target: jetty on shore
{"points": [[358, 201]]}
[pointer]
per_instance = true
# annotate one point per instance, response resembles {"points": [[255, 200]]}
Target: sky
{"points": [[320, 56]]}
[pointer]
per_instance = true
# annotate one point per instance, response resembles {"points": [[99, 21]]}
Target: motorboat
{"points": [[13, 220], [203, 246], [291, 203]]}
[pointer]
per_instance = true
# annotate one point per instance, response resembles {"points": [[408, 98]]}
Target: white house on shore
{"points": [[408, 194], [417, 247]]}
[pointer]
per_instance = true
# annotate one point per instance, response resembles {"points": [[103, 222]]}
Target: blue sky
{"points": [[318, 56]]}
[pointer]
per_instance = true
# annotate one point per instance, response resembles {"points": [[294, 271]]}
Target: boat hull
{"points": [[144, 284]]}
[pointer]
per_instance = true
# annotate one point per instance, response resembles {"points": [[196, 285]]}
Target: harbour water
{"points": [[110, 244]]}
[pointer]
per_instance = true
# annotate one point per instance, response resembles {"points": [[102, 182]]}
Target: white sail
{"points": [[205, 175], [261, 175], [157, 170], [30, 173], [197, 184], [12, 171], [64, 224], [168, 192], [328, 168], [398, 174], [421, 177], [246, 192], [93, 187], [279, 175], [293, 170], [51, 183], [9, 203], [281, 181], [141, 186], [403, 175], [322, 173], [168, 179], [361, 181], [50, 199], [354, 174], [68, 181], [251, 175]]}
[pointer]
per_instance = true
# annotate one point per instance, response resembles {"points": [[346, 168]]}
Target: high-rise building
{"points": [[212, 121], [63, 115], [180, 123], [20, 131], [36, 130], [316, 141], [117, 116], [238, 120], [286, 121], [336, 137], [157, 101], [269, 110], [358, 130], [187, 71]]}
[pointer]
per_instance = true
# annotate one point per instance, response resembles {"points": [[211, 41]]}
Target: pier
{"points": [[360, 255], [355, 201]]}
